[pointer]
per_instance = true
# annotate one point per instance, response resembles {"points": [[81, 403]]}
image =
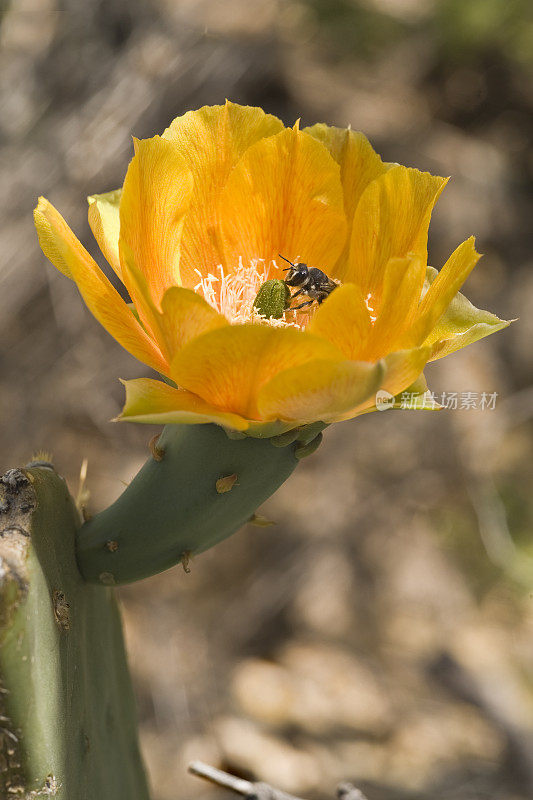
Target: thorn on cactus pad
{"points": [[186, 560], [42, 459], [83, 495], [107, 578], [51, 786], [111, 545], [61, 610], [157, 452], [260, 521], [226, 483]]}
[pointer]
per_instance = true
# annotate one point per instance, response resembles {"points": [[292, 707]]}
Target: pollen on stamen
{"points": [[233, 293]]}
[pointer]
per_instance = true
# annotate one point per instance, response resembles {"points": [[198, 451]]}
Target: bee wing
{"points": [[332, 283]]}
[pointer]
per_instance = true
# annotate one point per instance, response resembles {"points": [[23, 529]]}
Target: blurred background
{"points": [[382, 630]]}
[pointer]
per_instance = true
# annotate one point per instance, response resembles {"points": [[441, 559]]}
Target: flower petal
{"points": [[104, 219], [284, 196], [391, 220], [359, 164], [461, 324], [402, 285], [402, 369], [157, 403], [319, 390], [343, 319], [185, 316], [474, 334], [57, 241], [212, 140], [145, 307], [155, 198], [228, 366], [65, 251], [415, 397], [443, 287]]}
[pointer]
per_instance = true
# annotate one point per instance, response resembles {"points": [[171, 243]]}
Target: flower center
{"points": [[233, 294]]}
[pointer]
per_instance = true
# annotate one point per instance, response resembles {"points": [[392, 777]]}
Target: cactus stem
{"points": [[67, 712]]}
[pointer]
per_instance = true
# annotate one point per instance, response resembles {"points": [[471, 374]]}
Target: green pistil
{"points": [[273, 299]]}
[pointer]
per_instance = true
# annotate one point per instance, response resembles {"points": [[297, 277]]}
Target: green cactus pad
{"points": [[172, 509], [68, 728]]}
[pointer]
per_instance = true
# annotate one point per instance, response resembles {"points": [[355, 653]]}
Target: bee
{"points": [[310, 281]]}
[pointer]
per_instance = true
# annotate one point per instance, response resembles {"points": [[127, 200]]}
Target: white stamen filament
{"points": [[233, 294], [368, 303]]}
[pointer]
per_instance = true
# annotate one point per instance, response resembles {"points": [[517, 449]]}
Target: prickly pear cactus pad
{"points": [[198, 488], [67, 725]]}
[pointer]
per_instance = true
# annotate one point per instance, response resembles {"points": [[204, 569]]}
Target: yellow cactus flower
{"points": [[206, 211]]}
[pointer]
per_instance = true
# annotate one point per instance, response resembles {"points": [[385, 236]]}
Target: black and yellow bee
{"points": [[310, 281]]}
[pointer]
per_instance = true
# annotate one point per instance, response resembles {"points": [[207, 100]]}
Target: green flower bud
{"points": [[273, 298]]}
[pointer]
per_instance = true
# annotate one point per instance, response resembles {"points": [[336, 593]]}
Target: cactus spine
{"points": [[67, 727]]}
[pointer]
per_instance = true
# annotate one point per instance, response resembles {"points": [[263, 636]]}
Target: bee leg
{"points": [[300, 291], [307, 303]]}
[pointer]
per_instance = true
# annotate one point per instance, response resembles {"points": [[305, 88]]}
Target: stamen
{"points": [[368, 303], [233, 295]]}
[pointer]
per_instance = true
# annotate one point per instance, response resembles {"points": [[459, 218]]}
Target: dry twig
{"points": [[260, 791]]}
